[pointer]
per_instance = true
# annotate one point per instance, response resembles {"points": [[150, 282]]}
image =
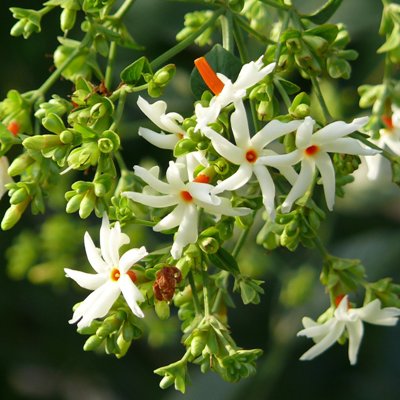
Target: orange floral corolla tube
{"points": [[209, 76]]}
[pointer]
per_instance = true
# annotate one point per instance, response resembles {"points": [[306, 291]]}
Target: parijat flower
{"points": [[250, 154], [113, 275], [187, 196], [168, 122], [312, 150], [4, 176], [389, 138], [226, 91], [346, 319]]}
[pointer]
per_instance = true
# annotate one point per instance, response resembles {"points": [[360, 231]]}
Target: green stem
{"points": [[185, 42], [119, 111], [121, 163], [282, 92], [320, 97], [284, 27], [204, 276], [245, 26], [364, 140], [195, 297], [227, 31], [123, 9], [51, 80], [110, 64], [240, 242]]}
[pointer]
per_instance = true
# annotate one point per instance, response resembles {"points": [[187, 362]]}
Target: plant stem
{"points": [[205, 293], [196, 301], [285, 25], [121, 163], [320, 97], [227, 31], [282, 92], [119, 111], [185, 42], [123, 9], [245, 26], [110, 64]]}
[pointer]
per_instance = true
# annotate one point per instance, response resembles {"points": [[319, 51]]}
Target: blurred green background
{"points": [[41, 355]]}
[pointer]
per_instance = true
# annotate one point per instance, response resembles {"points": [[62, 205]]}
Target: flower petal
{"points": [[225, 148], [202, 192], [281, 160], [225, 208], [331, 337], [117, 240], [187, 231], [105, 233], [206, 115], [131, 294], [302, 184], [235, 181], [240, 127], [97, 304], [152, 180], [273, 130], [355, 330], [348, 146], [87, 281], [152, 201], [373, 166], [159, 140], [174, 175], [251, 73], [304, 133], [171, 220], [338, 129], [93, 255], [131, 257], [267, 188], [374, 314], [325, 167]]}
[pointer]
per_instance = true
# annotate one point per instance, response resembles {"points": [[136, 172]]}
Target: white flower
{"points": [[4, 177], [389, 139], [312, 150], [168, 122], [187, 197], [250, 155], [226, 91], [346, 319], [171, 123], [112, 275]]}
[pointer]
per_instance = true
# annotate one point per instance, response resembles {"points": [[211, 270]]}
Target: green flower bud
{"points": [[92, 343], [53, 123], [198, 343], [221, 166], [236, 5], [85, 156], [123, 346], [338, 68], [316, 43], [162, 309], [111, 346], [74, 203], [67, 19], [164, 75], [111, 324], [87, 204], [67, 136], [209, 245], [20, 164], [167, 381], [13, 214], [114, 137], [103, 184], [184, 146], [18, 28], [105, 145], [41, 142], [19, 196]]}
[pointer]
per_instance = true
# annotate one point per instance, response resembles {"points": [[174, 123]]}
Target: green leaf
{"points": [[133, 72], [221, 61], [324, 13], [224, 260], [290, 87]]}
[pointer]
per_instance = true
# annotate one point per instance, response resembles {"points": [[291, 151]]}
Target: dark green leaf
{"points": [[133, 72], [324, 13], [223, 259], [326, 31]]}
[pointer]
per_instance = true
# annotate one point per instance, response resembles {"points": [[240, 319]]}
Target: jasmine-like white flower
{"points": [[112, 275], [168, 122], [187, 197], [312, 150], [346, 319], [250, 154], [389, 139], [226, 91], [4, 176]]}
